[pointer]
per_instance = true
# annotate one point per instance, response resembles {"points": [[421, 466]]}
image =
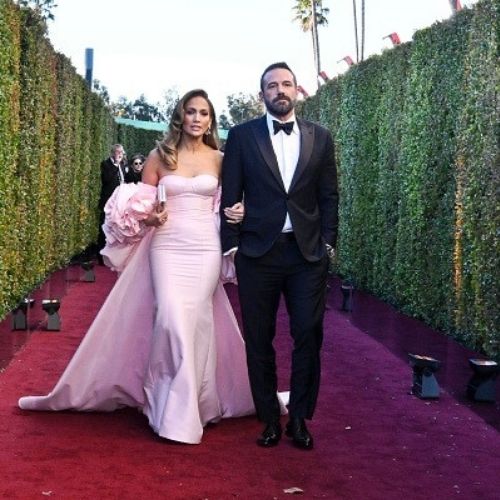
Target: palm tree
{"points": [[355, 16], [311, 14]]}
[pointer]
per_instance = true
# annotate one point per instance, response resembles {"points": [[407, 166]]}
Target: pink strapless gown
{"points": [[177, 353], [185, 256]]}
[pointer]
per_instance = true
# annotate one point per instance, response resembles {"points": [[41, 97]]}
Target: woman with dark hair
{"points": [[136, 166], [176, 353]]}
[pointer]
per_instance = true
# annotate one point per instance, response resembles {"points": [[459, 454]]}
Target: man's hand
{"points": [[330, 251]]}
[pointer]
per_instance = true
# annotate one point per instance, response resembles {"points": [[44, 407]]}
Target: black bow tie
{"points": [[286, 127]]}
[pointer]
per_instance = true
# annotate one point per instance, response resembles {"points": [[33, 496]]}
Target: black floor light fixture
{"points": [[425, 385], [481, 386], [51, 307], [20, 314], [347, 289], [89, 274]]}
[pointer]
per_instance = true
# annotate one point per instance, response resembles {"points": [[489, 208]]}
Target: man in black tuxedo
{"points": [[114, 171], [283, 168]]}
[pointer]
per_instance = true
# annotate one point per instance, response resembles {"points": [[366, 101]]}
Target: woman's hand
{"points": [[158, 217], [235, 214]]}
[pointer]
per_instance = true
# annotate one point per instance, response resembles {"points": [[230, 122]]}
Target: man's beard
{"points": [[279, 109]]}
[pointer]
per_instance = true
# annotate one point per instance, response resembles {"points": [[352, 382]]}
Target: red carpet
{"points": [[373, 440]]}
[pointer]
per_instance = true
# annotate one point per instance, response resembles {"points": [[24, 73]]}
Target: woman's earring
{"points": [[209, 131]]}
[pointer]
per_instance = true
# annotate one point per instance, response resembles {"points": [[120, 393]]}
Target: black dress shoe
{"points": [[297, 430], [271, 435]]}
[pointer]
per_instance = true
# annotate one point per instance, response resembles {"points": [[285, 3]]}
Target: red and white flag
{"points": [[302, 91], [348, 60], [324, 76], [394, 37]]}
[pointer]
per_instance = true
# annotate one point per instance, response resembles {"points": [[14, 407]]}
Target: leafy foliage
{"points": [[102, 91], [43, 8], [140, 109], [224, 122], [170, 100], [416, 134], [241, 108], [477, 209], [10, 220], [53, 133], [303, 14], [137, 140]]}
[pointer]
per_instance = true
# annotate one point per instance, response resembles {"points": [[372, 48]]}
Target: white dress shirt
{"points": [[287, 150], [120, 171]]}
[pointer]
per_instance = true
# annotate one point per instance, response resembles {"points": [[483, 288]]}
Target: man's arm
{"points": [[102, 195], [328, 194], [232, 190]]}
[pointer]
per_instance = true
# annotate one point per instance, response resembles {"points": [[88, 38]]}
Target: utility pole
{"points": [[314, 29], [356, 38], [362, 30], [89, 66]]}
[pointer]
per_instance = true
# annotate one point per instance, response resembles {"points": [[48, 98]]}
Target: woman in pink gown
{"points": [[177, 354]]}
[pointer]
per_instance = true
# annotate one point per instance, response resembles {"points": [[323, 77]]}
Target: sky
{"points": [[150, 46]]}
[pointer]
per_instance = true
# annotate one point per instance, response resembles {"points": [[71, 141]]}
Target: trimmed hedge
{"points": [[10, 218], [136, 140], [416, 132], [477, 208], [54, 132]]}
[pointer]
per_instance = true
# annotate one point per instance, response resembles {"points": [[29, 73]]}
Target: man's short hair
{"points": [[114, 147], [280, 65]]}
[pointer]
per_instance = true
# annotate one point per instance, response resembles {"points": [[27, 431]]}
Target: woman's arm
{"points": [[235, 214], [151, 176]]}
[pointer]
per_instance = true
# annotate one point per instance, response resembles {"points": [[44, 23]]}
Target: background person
{"points": [[114, 171], [136, 166]]}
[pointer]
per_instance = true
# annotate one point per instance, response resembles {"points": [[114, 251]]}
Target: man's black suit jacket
{"points": [[250, 172], [110, 180]]}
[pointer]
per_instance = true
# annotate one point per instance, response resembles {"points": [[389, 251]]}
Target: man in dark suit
{"points": [[284, 170], [114, 171]]}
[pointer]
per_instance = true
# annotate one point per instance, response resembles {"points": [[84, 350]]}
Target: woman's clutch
{"points": [[162, 195]]}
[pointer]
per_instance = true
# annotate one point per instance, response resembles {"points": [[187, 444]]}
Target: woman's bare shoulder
{"points": [[217, 160], [152, 167], [217, 156], [154, 157]]}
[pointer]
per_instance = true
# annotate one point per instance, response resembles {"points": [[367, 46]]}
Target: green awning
{"points": [[159, 126]]}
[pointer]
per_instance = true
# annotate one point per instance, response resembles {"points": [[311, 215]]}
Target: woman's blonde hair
{"points": [[167, 147]]}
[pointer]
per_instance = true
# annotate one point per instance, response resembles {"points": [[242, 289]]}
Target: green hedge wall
{"points": [[477, 208], [136, 140], [10, 218], [36, 162], [416, 132], [54, 132]]}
